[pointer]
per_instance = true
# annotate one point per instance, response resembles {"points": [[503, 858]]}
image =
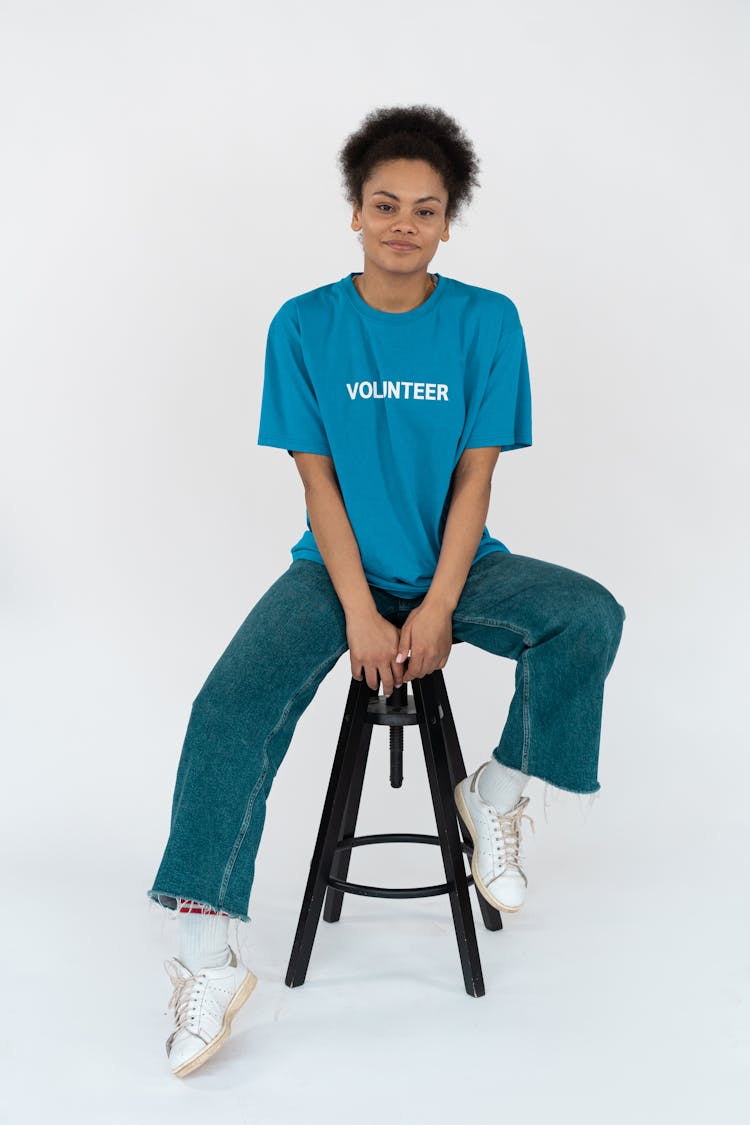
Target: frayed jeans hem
{"points": [[548, 780], [158, 896]]}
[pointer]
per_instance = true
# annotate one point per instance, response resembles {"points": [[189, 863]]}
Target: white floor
{"points": [[617, 995]]}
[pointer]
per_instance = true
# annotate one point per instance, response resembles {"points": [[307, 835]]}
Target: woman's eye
{"points": [[422, 211]]}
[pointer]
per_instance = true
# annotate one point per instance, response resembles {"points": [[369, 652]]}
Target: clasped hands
{"points": [[380, 652]]}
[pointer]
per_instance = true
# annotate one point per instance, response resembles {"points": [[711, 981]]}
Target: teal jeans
{"points": [[561, 627]]}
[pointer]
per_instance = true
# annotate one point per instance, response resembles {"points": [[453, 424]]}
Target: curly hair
{"points": [[416, 132]]}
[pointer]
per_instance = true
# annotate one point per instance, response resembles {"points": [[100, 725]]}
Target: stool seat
{"points": [[428, 708]]}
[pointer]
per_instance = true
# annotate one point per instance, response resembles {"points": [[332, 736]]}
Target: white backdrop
{"points": [[169, 180]]}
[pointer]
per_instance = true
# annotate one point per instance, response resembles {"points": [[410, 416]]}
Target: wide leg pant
{"points": [[561, 627]]}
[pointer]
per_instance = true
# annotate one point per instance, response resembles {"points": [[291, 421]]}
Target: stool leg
{"points": [[433, 744], [329, 832], [490, 916], [340, 865]]}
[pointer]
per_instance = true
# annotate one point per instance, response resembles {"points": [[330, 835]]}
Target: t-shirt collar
{"points": [[362, 307]]}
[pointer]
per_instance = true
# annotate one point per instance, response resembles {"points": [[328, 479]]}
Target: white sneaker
{"points": [[205, 1004], [497, 840]]}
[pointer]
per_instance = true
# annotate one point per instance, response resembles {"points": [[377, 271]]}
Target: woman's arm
{"points": [[427, 630], [373, 641], [467, 515]]}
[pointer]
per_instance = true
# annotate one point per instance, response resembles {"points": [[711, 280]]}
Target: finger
{"points": [[397, 671], [416, 664], [357, 672], [386, 678], [404, 644], [371, 675]]}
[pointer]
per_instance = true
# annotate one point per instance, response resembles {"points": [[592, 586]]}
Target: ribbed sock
{"points": [[501, 786], [203, 936]]}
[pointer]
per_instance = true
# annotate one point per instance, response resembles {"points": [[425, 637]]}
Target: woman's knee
{"points": [[600, 615]]}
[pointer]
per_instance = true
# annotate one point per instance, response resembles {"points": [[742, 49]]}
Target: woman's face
{"points": [[403, 201]]}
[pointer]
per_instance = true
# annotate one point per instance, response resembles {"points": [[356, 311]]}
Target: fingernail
{"points": [[400, 658]]}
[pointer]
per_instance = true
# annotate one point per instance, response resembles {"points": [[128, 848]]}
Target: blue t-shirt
{"points": [[395, 399]]}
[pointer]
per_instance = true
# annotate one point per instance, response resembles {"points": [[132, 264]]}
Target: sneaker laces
{"points": [[508, 833], [182, 1000]]}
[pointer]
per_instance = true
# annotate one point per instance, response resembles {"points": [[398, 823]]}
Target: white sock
{"points": [[501, 786], [203, 940]]}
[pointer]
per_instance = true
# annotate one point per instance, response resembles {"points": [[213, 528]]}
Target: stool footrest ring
{"points": [[393, 892]]}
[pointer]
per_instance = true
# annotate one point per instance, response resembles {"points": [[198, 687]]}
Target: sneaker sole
{"points": [[211, 1048], [484, 891]]}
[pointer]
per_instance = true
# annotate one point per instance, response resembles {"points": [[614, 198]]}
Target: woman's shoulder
{"points": [[309, 301], [486, 302]]}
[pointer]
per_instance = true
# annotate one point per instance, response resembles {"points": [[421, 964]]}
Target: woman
{"points": [[394, 390]]}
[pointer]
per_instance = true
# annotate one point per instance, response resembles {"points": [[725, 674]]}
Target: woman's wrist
{"points": [[442, 601], [360, 609]]}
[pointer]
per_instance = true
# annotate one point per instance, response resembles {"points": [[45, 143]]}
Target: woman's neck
{"points": [[401, 294]]}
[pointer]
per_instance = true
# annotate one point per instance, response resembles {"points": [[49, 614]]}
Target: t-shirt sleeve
{"points": [[504, 416], [289, 414]]}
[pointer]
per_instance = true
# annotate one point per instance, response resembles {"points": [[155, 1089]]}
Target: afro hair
{"points": [[415, 132]]}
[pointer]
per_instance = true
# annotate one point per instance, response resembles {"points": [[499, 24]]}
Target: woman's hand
{"points": [[428, 632], [373, 644]]}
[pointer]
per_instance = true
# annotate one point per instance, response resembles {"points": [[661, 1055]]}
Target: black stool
{"points": [[430, 709]]}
